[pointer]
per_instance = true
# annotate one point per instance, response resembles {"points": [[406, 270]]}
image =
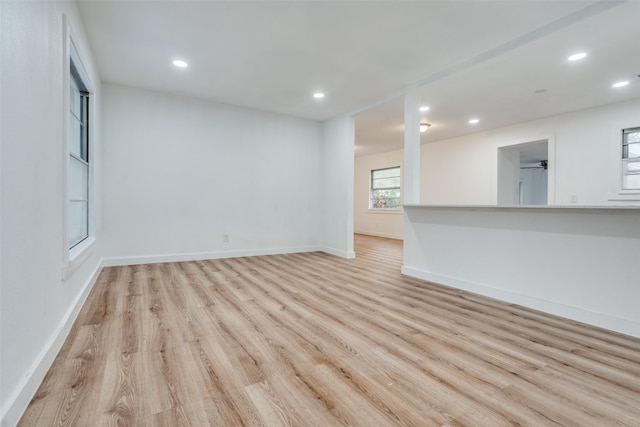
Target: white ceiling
{"points": [[501, 91], [483, 58]]}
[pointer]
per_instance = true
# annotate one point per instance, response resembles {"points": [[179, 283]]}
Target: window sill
{"points": [[77, 256], [385, 211], [625, 195]]}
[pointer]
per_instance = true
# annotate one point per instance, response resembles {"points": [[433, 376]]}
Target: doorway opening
{"points": [[523, 173]]}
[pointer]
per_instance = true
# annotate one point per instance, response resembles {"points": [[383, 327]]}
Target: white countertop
{"points": [[527, 207]]}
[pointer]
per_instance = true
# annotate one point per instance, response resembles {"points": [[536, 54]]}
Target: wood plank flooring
{"points": [[315, 340]]}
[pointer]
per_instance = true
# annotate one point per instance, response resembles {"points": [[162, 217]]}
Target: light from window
{"points": [[78, 159], [631, 159], [385, 188]]}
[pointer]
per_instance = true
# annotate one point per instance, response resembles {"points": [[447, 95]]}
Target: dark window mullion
{"points": [[85, 134]]}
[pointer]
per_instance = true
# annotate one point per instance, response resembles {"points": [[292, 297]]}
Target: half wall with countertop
{"points": [[575, 262]]}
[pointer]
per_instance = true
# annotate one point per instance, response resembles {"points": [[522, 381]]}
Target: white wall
{"points": [[37, 306], [180, 173], [463, 170], [338, 165], [368, 221], [570, 261]]}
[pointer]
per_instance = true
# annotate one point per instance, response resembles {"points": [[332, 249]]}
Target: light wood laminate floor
{"points": [[314, 340]]}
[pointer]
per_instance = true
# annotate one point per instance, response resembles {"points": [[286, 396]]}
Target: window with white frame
{"points": [[385, 188], [79, 161], [631, 159]]}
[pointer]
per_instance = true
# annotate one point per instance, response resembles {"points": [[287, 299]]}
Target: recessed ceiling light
{"points": [[424, 108], [318, 95], [474, 121], [577, 56], [180, 64], [620, 84]]}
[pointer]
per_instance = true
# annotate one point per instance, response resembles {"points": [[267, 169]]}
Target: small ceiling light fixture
{"points": [[620, 84], [474, 121], [424, 127], [318, 95], [577, 56], [424, 108], [180, 63]]}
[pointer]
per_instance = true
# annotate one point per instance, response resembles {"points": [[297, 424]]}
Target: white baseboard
{"points": [[197, 256], [14, 405], [605, 321], [338, 252], [376, 234]]}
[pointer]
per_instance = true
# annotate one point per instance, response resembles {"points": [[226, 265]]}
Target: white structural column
{"points": [[338, 161], [412, 147]]}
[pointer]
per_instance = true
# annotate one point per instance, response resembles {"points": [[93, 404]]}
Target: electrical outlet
{"points": [[573, 199], [225, 238]]}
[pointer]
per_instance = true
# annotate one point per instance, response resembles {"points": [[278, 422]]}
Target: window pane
{"points": [[78, 166], [78, 180], [630, 167], [74, 100], [631, 174], [633, 151], [385, 203], [78, 222], [632, 136], [386, 183], [391, 192], [385, 198], [392, 203], [386, 173], [631, 182], [75, 136]]}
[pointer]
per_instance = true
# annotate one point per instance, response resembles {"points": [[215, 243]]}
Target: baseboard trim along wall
{"points": [[376, 234], [338, 252], [605, 321], [17, 403], [198, 256]]}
